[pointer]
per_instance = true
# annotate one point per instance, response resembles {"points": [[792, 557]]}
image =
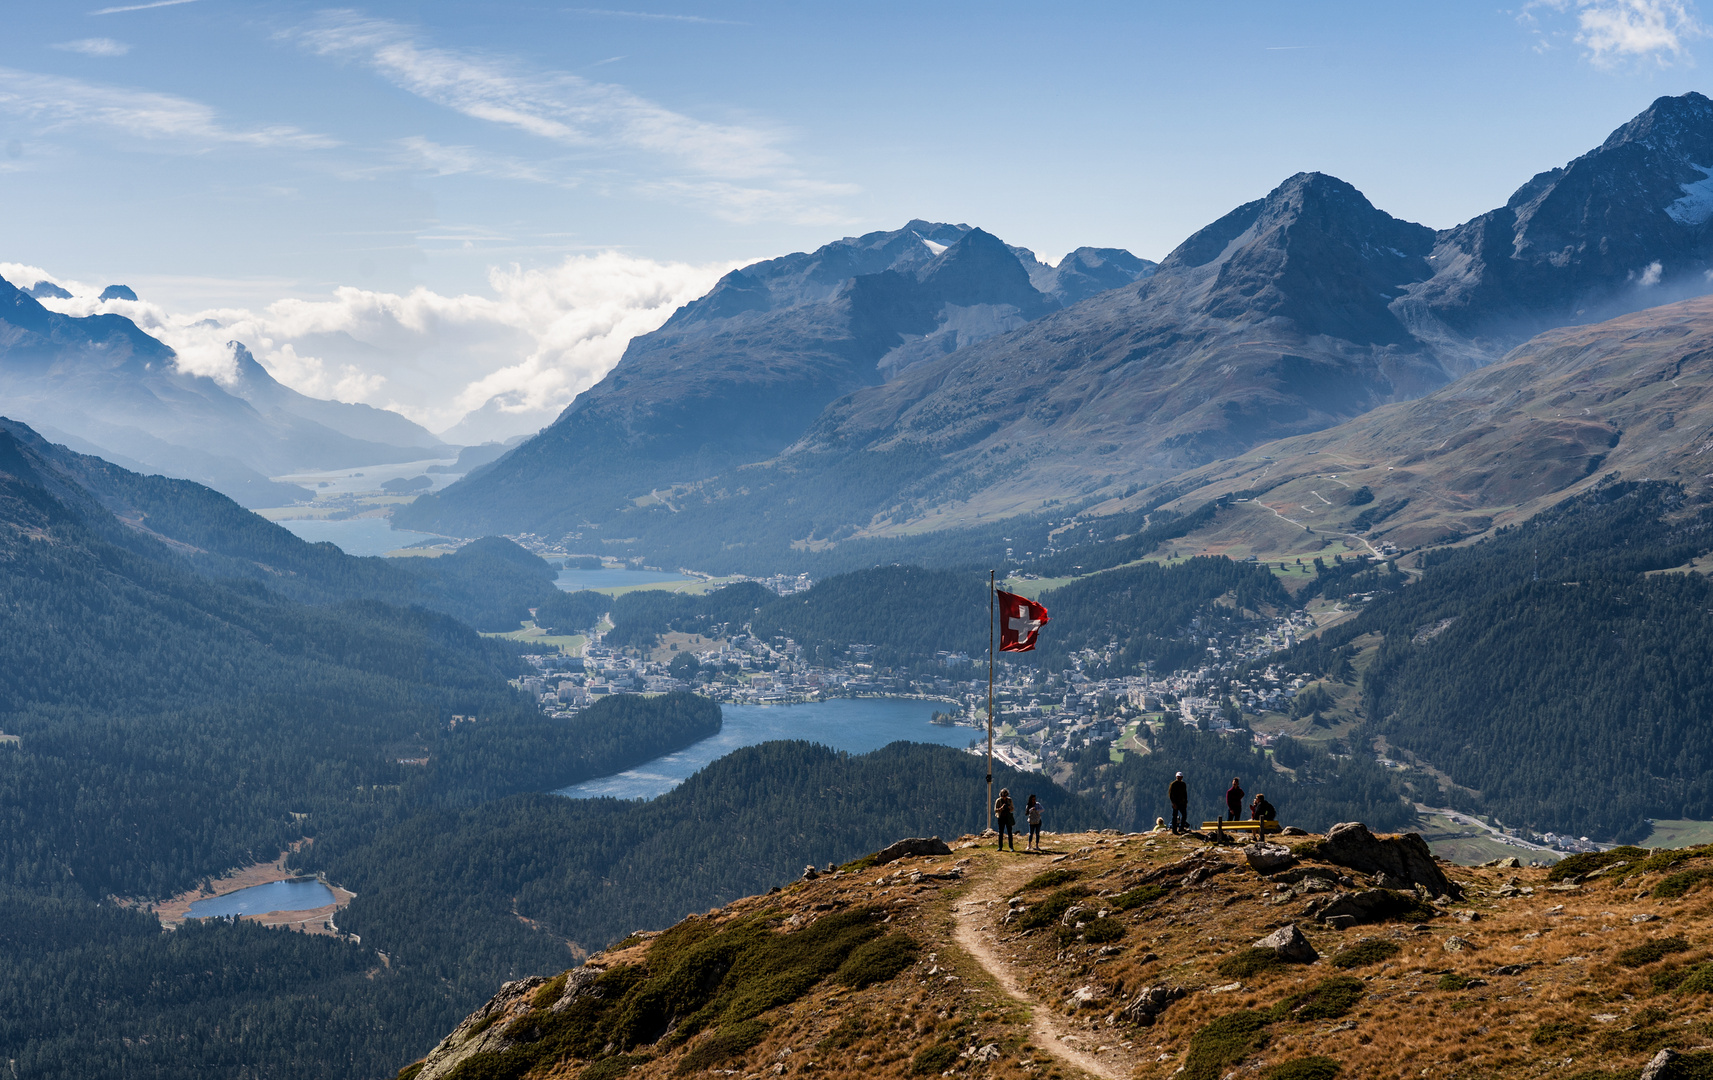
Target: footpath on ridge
{"points": [[1142, 957]]}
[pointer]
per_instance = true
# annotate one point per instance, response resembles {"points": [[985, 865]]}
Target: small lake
{"points": [[369, 478], [355, 536], [857, 725], [261, 899], [573, 580]]}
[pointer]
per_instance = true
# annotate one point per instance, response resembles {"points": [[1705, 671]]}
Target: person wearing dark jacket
{"points": [[1006, 812], [1262, 810], [1234, 801], [1179, 795]]}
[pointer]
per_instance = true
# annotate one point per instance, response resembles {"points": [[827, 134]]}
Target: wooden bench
{"points": [[1261, 827]]}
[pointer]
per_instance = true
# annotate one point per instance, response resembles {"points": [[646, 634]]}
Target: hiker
{"points": [[1179, 794], [1234, 801], [1261, 809], [1032, 814], [1003, 810]]}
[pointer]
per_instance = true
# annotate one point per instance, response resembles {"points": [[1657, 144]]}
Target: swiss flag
{"points": [[1020, 619]]}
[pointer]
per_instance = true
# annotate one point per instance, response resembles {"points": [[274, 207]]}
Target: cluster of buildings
{"points": [[1040, 719]]}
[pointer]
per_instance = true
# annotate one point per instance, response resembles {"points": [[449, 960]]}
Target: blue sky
{"points": [[432, 206]]}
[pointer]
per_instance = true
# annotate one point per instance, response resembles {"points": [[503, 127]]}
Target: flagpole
{"points": [[991, 596]]}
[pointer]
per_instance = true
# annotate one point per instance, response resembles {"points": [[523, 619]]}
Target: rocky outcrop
{"points": [[1150, 1003], [1344, 909], [483, 1031], [1269, 858], [931, 845], [1289, 944], [1405, 858]]}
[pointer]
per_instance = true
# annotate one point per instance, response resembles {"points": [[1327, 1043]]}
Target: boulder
{"points": [[1150, 1003], [1368, 905], [930, 845], [1086, 997], [1269, 858], [1663, 1066], [1340, 922], [1404, 857], [1290, 944]]}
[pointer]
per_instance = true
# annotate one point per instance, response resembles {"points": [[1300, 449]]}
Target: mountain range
{"points": [[817, 397], [101, 385]]}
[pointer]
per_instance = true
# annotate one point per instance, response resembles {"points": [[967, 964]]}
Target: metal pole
{"points": [[992, 596]]}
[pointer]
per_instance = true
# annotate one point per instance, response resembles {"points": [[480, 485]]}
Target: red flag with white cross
{"points": [[1020, 620]]}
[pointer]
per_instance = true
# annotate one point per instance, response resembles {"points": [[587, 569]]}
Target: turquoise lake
{"points": [[857, 725]]}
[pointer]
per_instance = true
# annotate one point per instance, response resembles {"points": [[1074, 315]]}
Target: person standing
{"points": [[1005, 811], [1234, 801], [1032, 814], [1179, 795]]}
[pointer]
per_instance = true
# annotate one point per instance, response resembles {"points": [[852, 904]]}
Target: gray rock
{"points": [[1457, 944], [810, 873], [1086, 997], [483, 1031], [1340, 922], [1643, 917], [1660, 1068], [930, 845], [1405, 858], [1290, 944], [1269, 858], [1368, 905], [1150, 1003]]}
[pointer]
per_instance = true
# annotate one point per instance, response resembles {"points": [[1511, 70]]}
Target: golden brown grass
{"points": [[1567, 1004]]}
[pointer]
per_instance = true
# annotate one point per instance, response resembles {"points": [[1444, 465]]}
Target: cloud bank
{"points": [[469, 367]]}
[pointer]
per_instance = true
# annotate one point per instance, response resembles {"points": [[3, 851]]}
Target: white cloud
{"points": [[1650, 275], [654, 16], [52, 102], [95, 46], [739, 172], [141, 7], [1614, 32], [525, 351]]}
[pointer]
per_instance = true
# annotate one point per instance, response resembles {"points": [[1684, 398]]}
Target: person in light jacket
{"points": [[1032, 814]]}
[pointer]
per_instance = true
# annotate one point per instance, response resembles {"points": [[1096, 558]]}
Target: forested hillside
{"points": [[1550, 672], [490, 584], [591, 871]]}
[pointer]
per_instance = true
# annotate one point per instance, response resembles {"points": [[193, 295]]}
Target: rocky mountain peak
{"points": [[1315, 250], [1668, 122]]}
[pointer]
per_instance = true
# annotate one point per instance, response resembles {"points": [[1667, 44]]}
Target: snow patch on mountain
{"points": [[1696, 205]]}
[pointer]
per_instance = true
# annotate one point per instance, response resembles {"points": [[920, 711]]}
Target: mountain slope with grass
{"points": [[1120, 956]]}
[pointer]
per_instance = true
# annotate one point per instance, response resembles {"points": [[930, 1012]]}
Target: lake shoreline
{"points": [[175, 912]]}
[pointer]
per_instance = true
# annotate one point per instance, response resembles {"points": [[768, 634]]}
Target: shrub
{"points": [[1049, 879], [876, 961], [1223, 1042], [1682, 881], [613, 1067], [934, 1059], [409, 1071], [1135, 898], [549, 993], [1556, 1031], [1364, 952], [1249, 962], [1649, 951], [723, 1045], [843, 1037], [1103, 931], [1049, 910], [1328, 999], [1697, 980], [1304, 1068], [1589, 861]]}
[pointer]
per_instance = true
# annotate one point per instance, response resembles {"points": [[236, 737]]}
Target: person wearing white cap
{"points": [[1179, 794]]}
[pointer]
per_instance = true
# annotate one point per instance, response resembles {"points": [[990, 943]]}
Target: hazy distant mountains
{"points": [[843, 378], [739, 374], [102, 386]]}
